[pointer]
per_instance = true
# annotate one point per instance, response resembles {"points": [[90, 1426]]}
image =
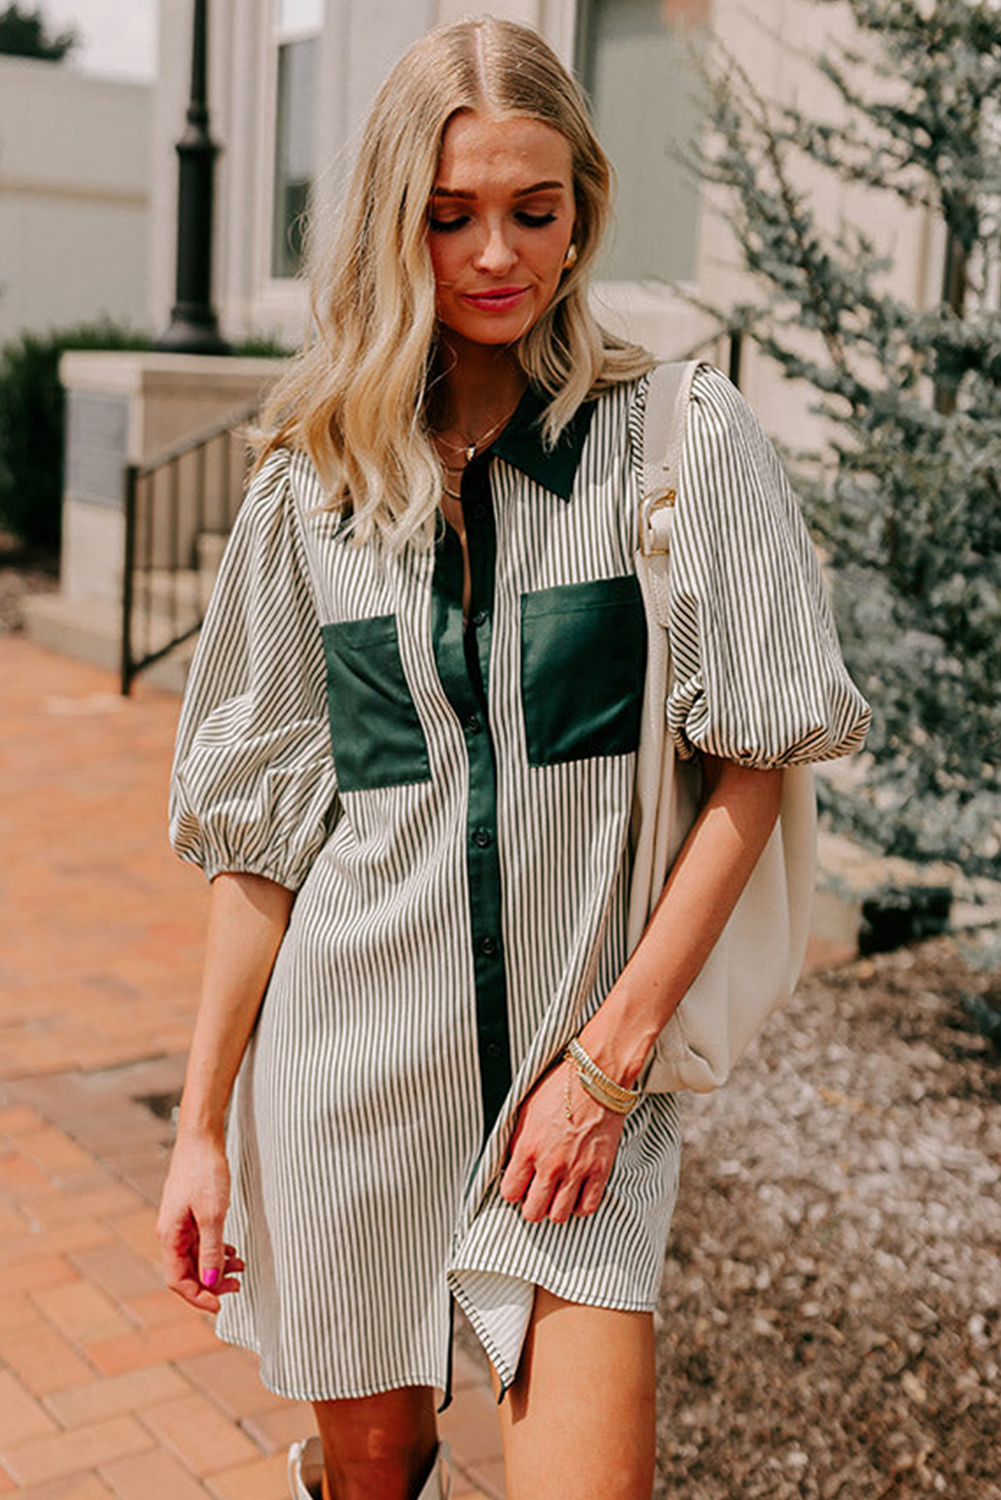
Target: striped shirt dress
{"points": [[451, 803]]}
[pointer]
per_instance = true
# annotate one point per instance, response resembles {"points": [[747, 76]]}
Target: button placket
{"points": [[463, 658]]}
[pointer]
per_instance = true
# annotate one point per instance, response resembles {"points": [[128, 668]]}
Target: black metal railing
{"points": [[179, 507]]}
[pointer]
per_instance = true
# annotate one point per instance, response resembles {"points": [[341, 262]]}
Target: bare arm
{"points": [[716, 860], [558, 1167], [248, 916]]}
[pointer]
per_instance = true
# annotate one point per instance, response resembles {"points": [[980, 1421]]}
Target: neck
{"points": [[478, 385]]}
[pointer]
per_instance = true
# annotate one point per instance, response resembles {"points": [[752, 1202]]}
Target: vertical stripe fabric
{"points": [[368, 1126]]}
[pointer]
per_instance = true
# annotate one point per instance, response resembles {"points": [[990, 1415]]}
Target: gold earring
{"points": [[570, 259]]}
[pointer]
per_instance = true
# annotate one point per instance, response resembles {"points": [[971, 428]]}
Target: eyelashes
{"points": [[529, 221]]}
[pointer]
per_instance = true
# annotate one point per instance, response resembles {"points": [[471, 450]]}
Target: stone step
{"points": [[87, 629], [188, 589], [91, 630]]}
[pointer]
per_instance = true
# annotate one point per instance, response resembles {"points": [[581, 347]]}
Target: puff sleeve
{"points": [[253, 786], [757, 670]]}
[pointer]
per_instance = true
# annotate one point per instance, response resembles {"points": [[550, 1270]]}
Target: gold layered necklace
{"points": [[469, 448]]}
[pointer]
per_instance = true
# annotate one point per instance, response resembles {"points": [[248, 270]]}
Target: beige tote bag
{"points": [[757, 960]]}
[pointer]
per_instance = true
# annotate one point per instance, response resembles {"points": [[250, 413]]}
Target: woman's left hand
{"points": [[558, 1167]]}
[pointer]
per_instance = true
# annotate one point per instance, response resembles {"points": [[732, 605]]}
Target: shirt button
{"points": [[472, 725], [493, 1049], [487, 946], [480, 618], [479, 511], [482, 838]]}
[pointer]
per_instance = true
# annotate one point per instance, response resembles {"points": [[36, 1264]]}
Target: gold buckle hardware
{"points": [[659, 500]]}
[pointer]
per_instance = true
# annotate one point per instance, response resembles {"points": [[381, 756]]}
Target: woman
{"points": [[406, 763]]}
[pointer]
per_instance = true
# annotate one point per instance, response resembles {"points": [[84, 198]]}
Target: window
{"points": [[635, 59], [297, 35]]}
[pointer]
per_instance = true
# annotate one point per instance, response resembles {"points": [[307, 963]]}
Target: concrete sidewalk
{"points": [[109, 1386]]}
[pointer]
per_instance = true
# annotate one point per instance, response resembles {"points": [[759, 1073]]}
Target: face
{"points": [[500, 222]]}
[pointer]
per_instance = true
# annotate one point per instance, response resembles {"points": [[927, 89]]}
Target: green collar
{"points": [[521, 445]]}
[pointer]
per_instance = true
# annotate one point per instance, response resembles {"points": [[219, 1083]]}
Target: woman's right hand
{"points": [[248, 915], [197, 1265]]}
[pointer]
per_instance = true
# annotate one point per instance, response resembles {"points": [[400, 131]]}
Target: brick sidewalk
{"points": [[109, 1386]]}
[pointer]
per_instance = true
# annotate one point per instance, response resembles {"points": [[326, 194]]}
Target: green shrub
{"points": [[910, 514], [32, 420], [261, 346]]}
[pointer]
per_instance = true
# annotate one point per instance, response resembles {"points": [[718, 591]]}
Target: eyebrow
{"points": [[537, 187]]}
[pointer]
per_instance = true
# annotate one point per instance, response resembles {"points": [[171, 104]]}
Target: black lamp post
{"points": [[193, 328]]}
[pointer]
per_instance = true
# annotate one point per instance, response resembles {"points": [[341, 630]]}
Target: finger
{"points": [[181, 1275], [590, 1196], [565, 1201], [538, 1198], [517, 1175], [186, 1285], [192, 1291], [211, 1254], [177, 1240], [229, 1280]]}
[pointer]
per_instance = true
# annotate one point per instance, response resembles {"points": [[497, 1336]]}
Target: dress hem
{"points": [[289, 1392], [505, 1373]]}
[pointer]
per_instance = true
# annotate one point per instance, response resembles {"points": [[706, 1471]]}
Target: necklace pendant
{"points": [[470, 453]]}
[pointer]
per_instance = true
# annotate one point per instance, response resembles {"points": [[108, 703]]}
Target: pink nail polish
{"points": [[209, 1278]]}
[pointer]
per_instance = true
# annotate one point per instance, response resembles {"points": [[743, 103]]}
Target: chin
{"points": [[493, 331]]}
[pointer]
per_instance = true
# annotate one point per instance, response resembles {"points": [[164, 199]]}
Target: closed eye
{"points": [[528, 220]]}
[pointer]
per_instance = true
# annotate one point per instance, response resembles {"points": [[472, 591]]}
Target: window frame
{"points": [[281, 296]]}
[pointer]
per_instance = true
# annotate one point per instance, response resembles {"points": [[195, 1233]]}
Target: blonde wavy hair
{"points": [[355, 398]]}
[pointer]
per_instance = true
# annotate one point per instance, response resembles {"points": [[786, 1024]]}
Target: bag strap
{"points": [[653, 821], [663, 440]]}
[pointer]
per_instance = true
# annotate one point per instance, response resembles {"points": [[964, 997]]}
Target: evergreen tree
{"points": [[910, 513], [23, 33]]}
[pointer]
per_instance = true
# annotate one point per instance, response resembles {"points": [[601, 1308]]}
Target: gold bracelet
{"points": [[602, 1089], [617, 1106]]}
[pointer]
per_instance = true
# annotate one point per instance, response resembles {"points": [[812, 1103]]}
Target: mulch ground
{"points": [[831, 1309]]}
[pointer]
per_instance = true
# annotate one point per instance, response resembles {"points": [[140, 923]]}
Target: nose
{"points": [[496, 255]]}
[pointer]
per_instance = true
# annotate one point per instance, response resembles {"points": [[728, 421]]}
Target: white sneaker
{"points": [[305, 1469], [305, 1472]]}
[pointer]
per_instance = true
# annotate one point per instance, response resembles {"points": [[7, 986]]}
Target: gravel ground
{"points": [[830, 1316]]}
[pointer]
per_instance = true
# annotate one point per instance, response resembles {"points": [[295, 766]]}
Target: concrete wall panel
{"points": [[74, 197]]}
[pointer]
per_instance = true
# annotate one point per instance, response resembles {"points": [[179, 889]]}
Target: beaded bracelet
{"points": [[593, 1081]]}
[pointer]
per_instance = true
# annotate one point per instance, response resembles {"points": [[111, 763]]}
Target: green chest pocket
{"points": [[583, 660], [375, 732]]}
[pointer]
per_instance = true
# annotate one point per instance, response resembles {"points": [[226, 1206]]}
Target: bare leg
{"points": [[579, 1422], [378, 1447]]}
